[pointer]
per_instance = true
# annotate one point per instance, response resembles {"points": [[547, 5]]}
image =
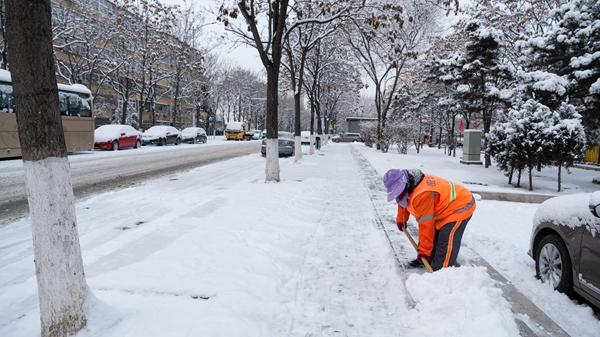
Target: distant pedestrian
{"points": [[442, 210]]}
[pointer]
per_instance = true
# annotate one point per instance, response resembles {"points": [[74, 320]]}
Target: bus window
{"points": [[6, 98], [73, 104], [63, 104], [85, 110]]}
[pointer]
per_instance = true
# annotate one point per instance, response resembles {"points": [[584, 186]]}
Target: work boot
{"points": [[415, 264]]}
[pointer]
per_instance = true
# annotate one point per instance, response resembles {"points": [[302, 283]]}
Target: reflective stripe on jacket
{"points": [[436, 202]]}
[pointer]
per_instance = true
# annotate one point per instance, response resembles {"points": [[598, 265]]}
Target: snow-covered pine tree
{"points": [[568, 138], [484, 77], [531, 137], [572, 50], [514, 145], [499, 149]]}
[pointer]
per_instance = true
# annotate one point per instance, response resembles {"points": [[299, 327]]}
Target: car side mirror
{"points": [[168, 133], [595, 210], [122, 133]]}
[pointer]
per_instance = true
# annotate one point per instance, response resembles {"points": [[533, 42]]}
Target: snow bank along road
{"points": [[95, 171]]}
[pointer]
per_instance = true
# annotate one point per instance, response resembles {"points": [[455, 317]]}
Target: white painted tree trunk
{"points": [[297, 148], [312, 145], [272, 165], [58, 264]]}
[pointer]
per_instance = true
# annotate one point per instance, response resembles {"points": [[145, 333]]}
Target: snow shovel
{"points": [[425, 262]]}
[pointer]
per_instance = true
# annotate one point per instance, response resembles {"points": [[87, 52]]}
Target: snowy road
{"points": [[99, 171]]}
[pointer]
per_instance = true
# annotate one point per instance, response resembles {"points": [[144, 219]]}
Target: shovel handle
{"points": [[424, 260]]}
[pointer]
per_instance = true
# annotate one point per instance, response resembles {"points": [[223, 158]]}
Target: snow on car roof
{"points": [[108, 128], [158, 127], [235, 125], [568, 210]]}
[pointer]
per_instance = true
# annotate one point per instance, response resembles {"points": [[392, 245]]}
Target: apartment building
{"points": [[139, 73]]}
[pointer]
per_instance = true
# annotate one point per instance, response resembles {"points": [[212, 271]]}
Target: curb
{"points": [[531, 321], [514, 197], [587, 167]]}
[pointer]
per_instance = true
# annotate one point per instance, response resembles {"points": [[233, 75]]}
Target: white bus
{"points": [[75, 110]]}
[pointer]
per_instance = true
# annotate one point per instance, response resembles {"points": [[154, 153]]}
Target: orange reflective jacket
{"points": [[434, 203]]}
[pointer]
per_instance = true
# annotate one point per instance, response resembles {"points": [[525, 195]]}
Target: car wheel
{"points": [[337, 140], [115, 146], [553, 264], [137, 145], [163, 142]]}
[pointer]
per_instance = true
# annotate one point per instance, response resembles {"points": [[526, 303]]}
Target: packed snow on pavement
{"points": [[218, 252]]}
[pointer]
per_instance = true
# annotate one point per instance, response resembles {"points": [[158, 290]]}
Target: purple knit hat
{"points": [[396, 181]]}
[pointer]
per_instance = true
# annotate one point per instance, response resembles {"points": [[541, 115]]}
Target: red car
{"points": [[115, 136]]}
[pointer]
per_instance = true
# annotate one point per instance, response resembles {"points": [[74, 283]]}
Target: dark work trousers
{"points": [[446, 244]]}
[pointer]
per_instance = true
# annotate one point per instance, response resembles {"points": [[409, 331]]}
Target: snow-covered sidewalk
{"points": [[218, 252]]}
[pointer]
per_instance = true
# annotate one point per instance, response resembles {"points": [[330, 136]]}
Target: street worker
{"points": [[442, 210]]}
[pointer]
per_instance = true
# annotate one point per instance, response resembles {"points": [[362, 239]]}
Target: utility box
{"points": [[472, 147]]}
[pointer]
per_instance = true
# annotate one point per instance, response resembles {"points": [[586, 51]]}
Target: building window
{"points": [[160, 109]]}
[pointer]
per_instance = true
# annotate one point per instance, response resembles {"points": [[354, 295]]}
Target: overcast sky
{"points": [[245, 56]]}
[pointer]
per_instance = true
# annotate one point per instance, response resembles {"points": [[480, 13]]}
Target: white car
{"points": [[162, 135], [193, 135], [305, 137], [257, 134]]}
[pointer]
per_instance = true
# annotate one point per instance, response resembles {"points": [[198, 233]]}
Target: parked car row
{"points": [[115, 136]]}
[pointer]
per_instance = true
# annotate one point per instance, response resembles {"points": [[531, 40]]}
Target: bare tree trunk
{"points": [[62, 289], [272, 165], [519, 178], [510, 175], [559, 164], [126, 104], [530, 177], [312, 128], [297, 85], [176, 112], [297, 127]]}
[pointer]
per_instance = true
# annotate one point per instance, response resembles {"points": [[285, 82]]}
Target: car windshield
{"points": [[235, 126], [156, 130], [190, 130], [285, 134], [108, 129]]}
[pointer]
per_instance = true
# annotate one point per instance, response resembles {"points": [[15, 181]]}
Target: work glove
{"points": [[419, 256], [400, 224]]}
